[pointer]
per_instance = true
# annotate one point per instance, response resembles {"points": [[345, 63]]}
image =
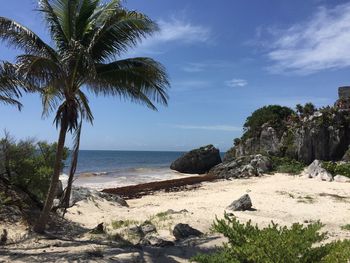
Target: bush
{"points": [[248, 243], [28, 164], [286, 165], [337, 168], [276, 116]]}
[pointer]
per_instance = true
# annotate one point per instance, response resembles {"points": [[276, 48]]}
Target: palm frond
{"points": [[19, 36], [49, 10], [136, 78], [68, 112], [9, 81], [85, 19], [50, 97], [120, 30], [38, 69], [10, 101], [86, 112]]}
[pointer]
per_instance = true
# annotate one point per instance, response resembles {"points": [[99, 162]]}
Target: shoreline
{"points": [[172, 185]]}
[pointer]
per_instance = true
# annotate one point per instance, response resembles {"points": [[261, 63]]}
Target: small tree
{"points": [[88, 36]]}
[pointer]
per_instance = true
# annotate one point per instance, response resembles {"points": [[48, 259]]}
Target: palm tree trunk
{"points": [[45, 213], [67, 193]]}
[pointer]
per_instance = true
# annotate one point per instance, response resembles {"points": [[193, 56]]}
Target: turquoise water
{"points": [[122, 161], [106, 169], [103, 169]]}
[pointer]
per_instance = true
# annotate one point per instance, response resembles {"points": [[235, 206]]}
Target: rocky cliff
{"points": [[305, 134]]}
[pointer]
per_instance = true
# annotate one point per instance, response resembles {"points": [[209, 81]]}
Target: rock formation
{"points": [[323, 134], [182, 231], [315, 170], [197, 161], [242, 167], [242, 204]]}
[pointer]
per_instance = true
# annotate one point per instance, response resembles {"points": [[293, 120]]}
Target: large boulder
{"points": [[315, 170], [242, 204], [341, 179], [182, 231], [197, 161], [243, 167]]}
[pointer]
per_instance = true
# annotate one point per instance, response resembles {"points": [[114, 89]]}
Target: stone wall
{"points": [[344, 92]]}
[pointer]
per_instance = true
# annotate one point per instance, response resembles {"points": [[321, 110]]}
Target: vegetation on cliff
{"points": [[305, 134], [274, 115]]}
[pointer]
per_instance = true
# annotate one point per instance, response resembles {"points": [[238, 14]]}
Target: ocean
{"points": [[109, 169]]}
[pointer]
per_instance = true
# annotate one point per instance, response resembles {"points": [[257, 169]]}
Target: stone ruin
{"points": [[343, 101]]}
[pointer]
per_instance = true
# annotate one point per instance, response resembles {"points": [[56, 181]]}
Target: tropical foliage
{"points": [[28, 164], [88, 36], [274, 115], [337, 168], [297, 244], [9, 92], [286, 165]]}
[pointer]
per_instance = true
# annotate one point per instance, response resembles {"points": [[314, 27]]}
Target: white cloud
{"points": [[321, 43], [233, 83], [193, 67], [226, 128], [175, 30], [180, 30], [190, 85]]}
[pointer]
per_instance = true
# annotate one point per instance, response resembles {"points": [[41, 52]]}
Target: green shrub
{"points": [[248, 243], [276, 116], [337, 168], [346, 227], [28, 164], [116, 224], [286, 165]]}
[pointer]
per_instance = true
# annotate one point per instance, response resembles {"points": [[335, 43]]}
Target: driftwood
{"points": [[173, 185]]}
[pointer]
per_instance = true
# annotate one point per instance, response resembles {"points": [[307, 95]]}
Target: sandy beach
{"points": [[285, 199], [281, 198]]}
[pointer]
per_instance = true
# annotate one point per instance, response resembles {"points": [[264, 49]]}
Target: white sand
{"points": [[282, 198]]}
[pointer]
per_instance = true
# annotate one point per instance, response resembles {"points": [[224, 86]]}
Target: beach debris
{"points": [[99, 229], [3, 237], [341, 179], [197, 161], [315, 170], [242, 204], [242, 167], [182, 231]]}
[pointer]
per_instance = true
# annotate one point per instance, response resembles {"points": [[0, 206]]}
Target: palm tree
{"points": [[88, 36]]}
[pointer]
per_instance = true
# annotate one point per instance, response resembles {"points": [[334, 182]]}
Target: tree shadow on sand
{"points": [[70, 250]]}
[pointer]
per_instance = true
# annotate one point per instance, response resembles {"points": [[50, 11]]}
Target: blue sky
{"points": [[225, 59]]}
